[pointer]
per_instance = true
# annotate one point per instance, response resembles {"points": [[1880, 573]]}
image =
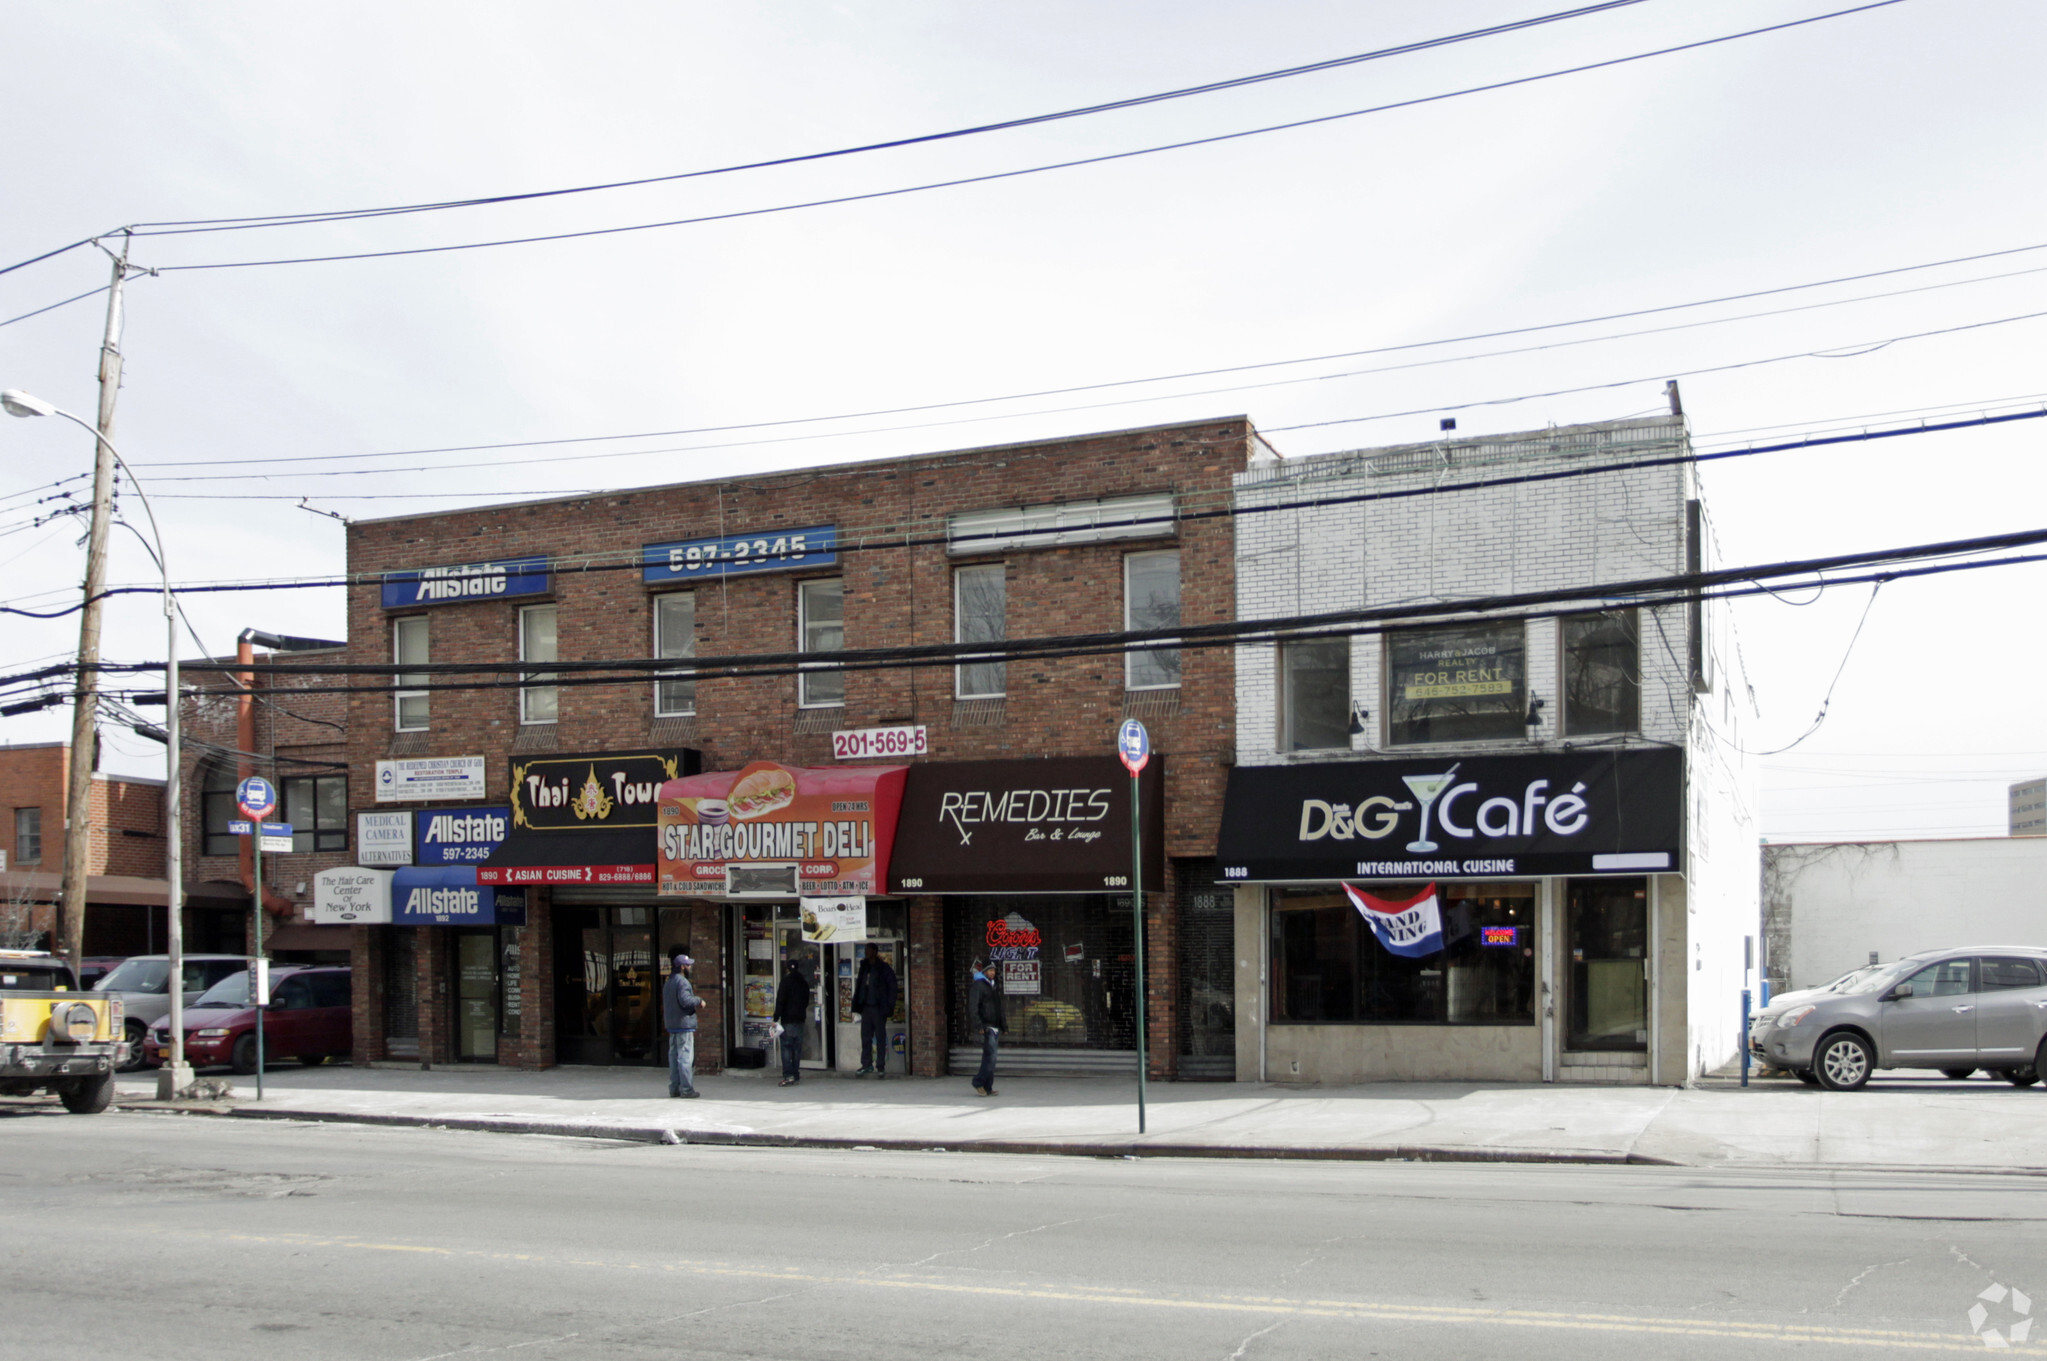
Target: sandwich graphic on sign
{"points": [[761, 790]]}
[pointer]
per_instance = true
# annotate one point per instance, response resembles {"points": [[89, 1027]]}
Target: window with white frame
{"points": [[539, 700], [409, 648], [1314, 694], [1602, 672], [1151, 601], [675, 636], [980, 615], [821, 627]]}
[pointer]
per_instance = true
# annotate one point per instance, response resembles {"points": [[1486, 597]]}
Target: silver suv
{"points": [[144, 984], [1952, 1010]]}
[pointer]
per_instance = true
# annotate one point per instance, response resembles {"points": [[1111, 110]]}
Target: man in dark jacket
{"points": [[679, 1004], [792, 1009], [984, 1009], [874, 998]]}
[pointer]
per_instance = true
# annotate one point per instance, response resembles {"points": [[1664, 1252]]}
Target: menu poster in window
{"points": [[841, 921]]}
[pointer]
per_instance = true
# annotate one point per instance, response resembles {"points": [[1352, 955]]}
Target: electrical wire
{"points": [[995, 176], [76, 297]]}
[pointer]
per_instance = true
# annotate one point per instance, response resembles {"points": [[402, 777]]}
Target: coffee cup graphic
{"points": [[712, 812]]}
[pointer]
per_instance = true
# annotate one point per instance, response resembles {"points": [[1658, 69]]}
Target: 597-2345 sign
{"points": [[856, 744], [782, 550]]}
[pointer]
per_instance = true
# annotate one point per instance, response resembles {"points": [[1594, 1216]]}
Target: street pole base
{"points": [[173, 1080]]}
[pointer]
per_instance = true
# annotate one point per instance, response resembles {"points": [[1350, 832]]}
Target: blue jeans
{"points": [[792, 1050], [682, 1056], [990, 1038]]}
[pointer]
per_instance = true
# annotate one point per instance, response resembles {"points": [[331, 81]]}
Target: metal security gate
{"points": [[1067, 972], [1208, 986]]}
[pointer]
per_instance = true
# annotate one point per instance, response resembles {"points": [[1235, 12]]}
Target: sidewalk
{"points": [[1908, 1123]]}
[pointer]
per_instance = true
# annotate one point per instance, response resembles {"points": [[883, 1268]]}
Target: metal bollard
{"points": [[1744, 1036]]}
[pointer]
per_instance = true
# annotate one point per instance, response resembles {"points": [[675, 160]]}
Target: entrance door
{"points": [[813, 959], [634, 1005], [848, 959], [1606, 929], [476, 996]]}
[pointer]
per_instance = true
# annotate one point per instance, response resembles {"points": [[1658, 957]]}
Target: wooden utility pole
{"points": [[85, 697]]}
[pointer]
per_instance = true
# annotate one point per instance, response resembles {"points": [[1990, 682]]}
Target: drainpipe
{"points": [[245, 743]]}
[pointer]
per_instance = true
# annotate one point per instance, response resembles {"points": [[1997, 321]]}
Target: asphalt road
{"points": [[174, 1236]]}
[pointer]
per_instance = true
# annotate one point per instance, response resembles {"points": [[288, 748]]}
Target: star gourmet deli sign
{"points": [[1473, 817], [775, 830], [575, 818]]}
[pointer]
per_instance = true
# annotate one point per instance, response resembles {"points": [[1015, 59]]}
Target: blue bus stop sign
{"points": [[256, 797], [1133, 746]]}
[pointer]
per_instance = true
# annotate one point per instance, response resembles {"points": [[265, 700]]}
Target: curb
{"points": [[1071, 1148]]}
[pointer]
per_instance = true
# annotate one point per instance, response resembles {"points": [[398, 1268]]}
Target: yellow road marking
{"points": [[1285, 1306]]}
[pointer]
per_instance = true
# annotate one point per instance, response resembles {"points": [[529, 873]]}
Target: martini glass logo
{"points": [[1427, 789]]}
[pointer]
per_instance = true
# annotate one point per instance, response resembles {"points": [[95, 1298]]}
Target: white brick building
{"points": [[1596, 881]]}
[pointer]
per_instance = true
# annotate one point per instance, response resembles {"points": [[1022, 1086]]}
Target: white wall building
{"points": [[2027, 808], [1565, 774], [1830, 906]]}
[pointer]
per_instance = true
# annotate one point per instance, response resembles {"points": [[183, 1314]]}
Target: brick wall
{"points": [[126, 815]]}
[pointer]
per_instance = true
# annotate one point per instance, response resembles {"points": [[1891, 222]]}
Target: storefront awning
{"points": [[780, 831], [1060, 825], [1444, 817], [585, 817]]}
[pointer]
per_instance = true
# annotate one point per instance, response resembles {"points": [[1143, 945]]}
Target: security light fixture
{"points": [[1534, 711], [1358, 715]]}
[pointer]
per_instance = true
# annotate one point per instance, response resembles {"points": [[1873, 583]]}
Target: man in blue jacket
{"points": [[874, 997], [679, 1003]]}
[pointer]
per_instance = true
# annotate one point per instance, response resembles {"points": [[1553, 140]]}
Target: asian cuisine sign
{"points": [[835, 825]]}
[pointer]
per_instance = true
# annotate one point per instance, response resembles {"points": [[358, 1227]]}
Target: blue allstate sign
{"points": [[465, 582]]}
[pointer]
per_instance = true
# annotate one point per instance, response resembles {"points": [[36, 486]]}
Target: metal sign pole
{"points": [[1137, 931], [255, 959]]}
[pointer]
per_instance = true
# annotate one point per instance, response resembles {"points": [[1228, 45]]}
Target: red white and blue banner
{"points": [[1405, 926]]}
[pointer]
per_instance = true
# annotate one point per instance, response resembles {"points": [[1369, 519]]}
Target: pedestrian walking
{"points": [[792, 1008], [984, 1008], [874, 999], [679, 1004]]}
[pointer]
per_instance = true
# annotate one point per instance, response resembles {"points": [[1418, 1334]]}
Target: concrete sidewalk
{"points": [[1907, 1122]]}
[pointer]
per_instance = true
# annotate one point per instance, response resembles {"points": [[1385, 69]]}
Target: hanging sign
{"points": [[834, 826], [840, 921], [1405, 926]]}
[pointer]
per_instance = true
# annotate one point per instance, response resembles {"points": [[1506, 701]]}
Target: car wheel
{"points": [[243, 1059], [1843, 1061], [88, 1096], [1957, 1074], [2021, 1077], [312, 1060], [1807, 1076], [137, 1032]]}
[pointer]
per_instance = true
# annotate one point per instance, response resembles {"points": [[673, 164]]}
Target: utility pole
{"points": [[85, 697]]}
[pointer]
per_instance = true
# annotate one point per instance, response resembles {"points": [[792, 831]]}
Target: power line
{"points": [[995, 176], [1030, 120], [76, 297]]}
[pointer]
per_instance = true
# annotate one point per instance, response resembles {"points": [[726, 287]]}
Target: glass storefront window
{"points": [[1462, 684], [1328, 966], [1064, 964]]}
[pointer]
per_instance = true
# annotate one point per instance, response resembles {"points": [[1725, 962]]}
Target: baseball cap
{"points": [[684, 960]]}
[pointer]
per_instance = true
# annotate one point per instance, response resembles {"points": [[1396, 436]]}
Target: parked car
{"points": [[93, 968], [1950, 1010], [1783, 1002], [142, 981], [308, 1019], [57, 1039]]}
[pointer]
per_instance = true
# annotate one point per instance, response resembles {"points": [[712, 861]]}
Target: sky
{"points": [[1904, 135]]}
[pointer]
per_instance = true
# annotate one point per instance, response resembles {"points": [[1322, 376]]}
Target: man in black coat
{"points": [[984, 1009], [874, 998], [792, 1009]]}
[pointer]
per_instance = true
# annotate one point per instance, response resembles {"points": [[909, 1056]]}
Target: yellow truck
{"points": [[55, 1038]]}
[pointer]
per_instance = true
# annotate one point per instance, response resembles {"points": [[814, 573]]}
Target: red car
{"points": [[308, 1019]]}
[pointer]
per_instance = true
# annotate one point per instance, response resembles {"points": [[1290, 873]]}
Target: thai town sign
{"points": [[1572, 812], [465, 582], [835, 826]]}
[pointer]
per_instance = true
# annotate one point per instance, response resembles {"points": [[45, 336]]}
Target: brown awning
{"points": [[112, 890], [305, 936], [216, 893]]}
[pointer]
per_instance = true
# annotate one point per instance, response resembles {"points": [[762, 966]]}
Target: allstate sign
{"points": [[452, 897], [465, 582]]}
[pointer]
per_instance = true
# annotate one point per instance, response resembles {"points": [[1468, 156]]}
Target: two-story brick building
{"points": [[513, 805], [1510, 841], [125, 885]]}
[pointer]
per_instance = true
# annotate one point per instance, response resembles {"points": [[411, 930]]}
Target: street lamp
{"points": [[175, 1076]]}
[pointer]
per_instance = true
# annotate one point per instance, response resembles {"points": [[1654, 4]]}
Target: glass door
{"points": [[476, 996], [1606, 929], [813, 959], [634, 1006]]}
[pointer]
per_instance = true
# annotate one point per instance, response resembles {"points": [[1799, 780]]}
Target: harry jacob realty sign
{"points": [[1575, 812]]}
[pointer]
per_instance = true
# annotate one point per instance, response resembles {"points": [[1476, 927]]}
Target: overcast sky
{"points": [[1901, 136]]}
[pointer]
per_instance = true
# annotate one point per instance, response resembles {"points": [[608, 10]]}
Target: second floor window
{"points": [[409, 648], [675, 635], [28, 835], [980, 615], [1151, 600], [316, 806], [1314, 705], [1602, 673], [217, 809], [821, 627], [539, 701], [1466, 683]]}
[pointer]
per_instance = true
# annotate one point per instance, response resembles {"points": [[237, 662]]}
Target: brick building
{"points": [[526, 810], [1542, 809], [125, 886], [237, 724]]}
